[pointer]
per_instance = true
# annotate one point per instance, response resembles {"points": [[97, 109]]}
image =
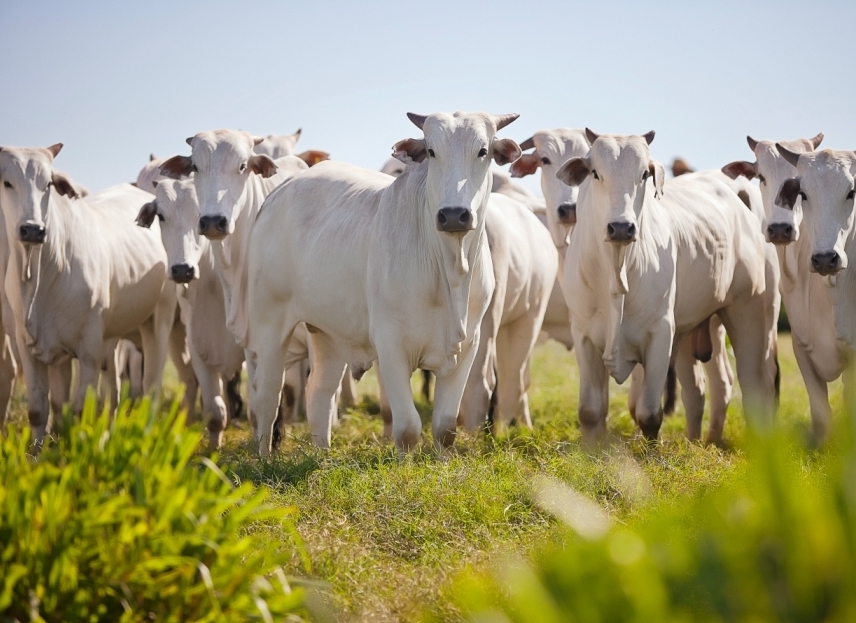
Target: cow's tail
{"points": [[671, 391]]}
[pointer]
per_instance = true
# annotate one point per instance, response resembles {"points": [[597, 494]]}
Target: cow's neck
{"points": [[231, 252], [841, 290], [39, 266], [444, 262]]}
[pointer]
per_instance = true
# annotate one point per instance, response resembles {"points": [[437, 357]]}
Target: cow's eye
{"points": [[7, 184], [761, 179], [160, 217], [851, 194], [431, 153], [802, 195], [644, 175], [193, 168], [243, 167], [594, 174], [545, 160], [482, 152]]}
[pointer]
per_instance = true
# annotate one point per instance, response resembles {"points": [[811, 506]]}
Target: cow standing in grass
{"points": [[396, 271]]}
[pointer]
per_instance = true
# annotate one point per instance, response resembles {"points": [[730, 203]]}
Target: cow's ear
{"points": [[525, 165], [657, 173], [63, 185], [788, 193], [147, 214], [262, 165], [410, 150], [738, 168], [55, 149], [177, 167], [505, 150], [313, 157], [574, 171]]}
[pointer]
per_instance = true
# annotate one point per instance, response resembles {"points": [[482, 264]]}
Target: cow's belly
{"points": [[133, 303], [697, 295]]}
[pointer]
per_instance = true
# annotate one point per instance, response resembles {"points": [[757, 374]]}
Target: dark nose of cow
{"points": [[182, 273], [452, 220], [781, 233], [826, 263], [213, 226], [621, 232], [34, 234], [567, 213]]}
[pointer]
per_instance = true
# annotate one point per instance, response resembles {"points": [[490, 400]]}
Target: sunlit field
{"points": [[384, 539]]}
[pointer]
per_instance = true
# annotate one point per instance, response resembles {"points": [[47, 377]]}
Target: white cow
{"points": [[405, 271], [281, 145], [825, 182], [648, 264], [80, 274], [820, 357], [215, 360], [231, 182], [525, 265]]}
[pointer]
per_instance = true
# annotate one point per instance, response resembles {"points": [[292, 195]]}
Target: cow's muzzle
{"points": [[182, 273], [826, 263], [621, 232], [31, 233], [214, 227], [567, 213], [451, 220], [781, 233]]}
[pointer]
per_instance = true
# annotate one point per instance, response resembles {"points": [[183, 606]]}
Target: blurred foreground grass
{"points": [[392, 537]]}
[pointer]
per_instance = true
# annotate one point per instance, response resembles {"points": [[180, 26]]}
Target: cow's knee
{"points": [[592, 426], [407, 437]]}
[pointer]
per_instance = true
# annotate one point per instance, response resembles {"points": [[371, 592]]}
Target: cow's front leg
{"points": [[395, 370], [213, 405], [649, 409], [59, 384], [448, 392], [36, 377], [594, 390]]}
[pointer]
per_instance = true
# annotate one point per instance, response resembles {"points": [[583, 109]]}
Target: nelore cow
{"points": [[231, 183], [824, 182], [820, 357], [649, 263], [406, 274], [84, 257]]}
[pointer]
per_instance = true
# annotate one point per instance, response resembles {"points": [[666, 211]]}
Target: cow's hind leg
{"points": [[59, 381], [744, 321], [322, 390], [691, 377], [721, 380], [513, 348]]}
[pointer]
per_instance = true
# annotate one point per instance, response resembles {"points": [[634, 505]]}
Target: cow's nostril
{"points": [[222, 223], [631, 230], [441, 218], [465, 217], [610, 230], [23, 231]]}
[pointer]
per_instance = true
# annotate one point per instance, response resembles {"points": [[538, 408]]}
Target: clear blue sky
{"points": [[115, 81]]}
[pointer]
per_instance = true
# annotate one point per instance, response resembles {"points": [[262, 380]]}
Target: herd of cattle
{"points": [[298, 266]]}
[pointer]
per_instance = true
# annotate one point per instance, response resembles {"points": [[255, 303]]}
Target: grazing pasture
{"points": [[387, 538]]}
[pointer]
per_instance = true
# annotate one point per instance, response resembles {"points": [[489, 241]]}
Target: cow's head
{"points": [[27, 181], [393, 167], [150, 174], [825, 184], [619, 168], [552, 149], [221, 162], [458, 149], [781, 226], [278, 145], [177, 209]]}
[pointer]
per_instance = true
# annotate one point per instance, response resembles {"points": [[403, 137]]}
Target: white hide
{"points": [[525, 265], [820, 356], [104, 273], [396, 289], [696, 251]]}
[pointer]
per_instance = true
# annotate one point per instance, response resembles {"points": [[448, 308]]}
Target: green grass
{"points": [[389, 536]]}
